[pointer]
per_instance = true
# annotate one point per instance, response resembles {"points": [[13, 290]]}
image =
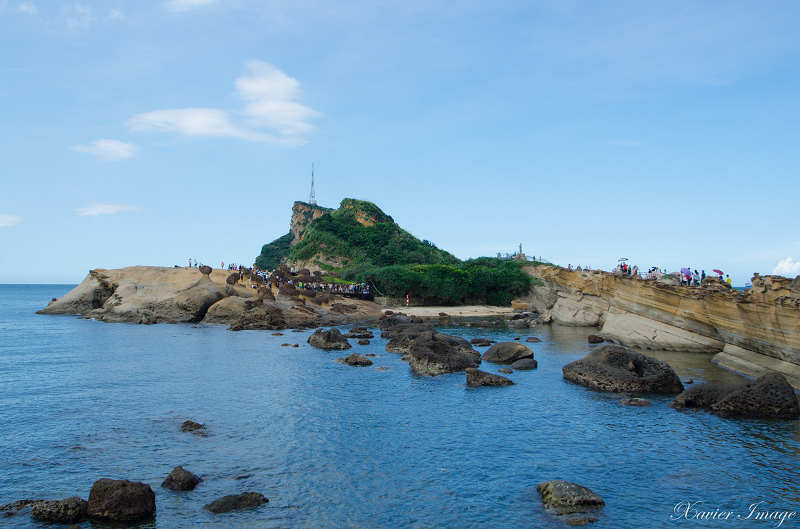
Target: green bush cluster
{"points": [[274, 253]]}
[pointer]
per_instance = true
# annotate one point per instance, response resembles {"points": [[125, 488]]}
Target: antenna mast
{"points": [[312, 199]]}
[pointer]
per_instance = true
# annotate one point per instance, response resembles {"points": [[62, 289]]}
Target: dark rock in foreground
{"points": [[476, 378], [572, 503], [769, 396], [434, 353], [237, 502], [355, 359], [507, 353], [180, 480], [121, 500], [619, 369], [70, 510], [525, 364], [331, 340]]}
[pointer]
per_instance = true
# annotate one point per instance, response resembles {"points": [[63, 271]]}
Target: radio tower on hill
{"points": [[312, 199]]}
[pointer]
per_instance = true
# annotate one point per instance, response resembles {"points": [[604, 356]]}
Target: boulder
{"points": [[507, 353], [329, 340], [593, 338], [505, 370], [233, 278], [769, 396], [194, 427], [363, 342], [643, 403], [476, 378], [525, 364], [70, 510], [571, 503], [401, 336], [226, 310], [355, 359], [121, 500], [519, 324], [433, 353], [482, 342], [532, 339], [264, 318], [181, 480], [619, 369], [237, 502]]}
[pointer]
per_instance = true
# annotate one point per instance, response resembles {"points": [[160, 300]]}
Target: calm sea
{"points": [[334, 446]]}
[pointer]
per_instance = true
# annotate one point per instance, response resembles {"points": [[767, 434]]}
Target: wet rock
{"points": [[237, 502], [363, 342], [769, 396], [181, 480], [15, 507], [507, 353], [476, 378], [264, 318], [505, 370], [571, 503], [635, 401], [194, 427], [331, 340], [593, 338], [401, 337], [482, 342], [72, 509], [525, 364], [619, 369], [520, 324], [355, 359], [121, 500], [433, 353], [532, 339]]}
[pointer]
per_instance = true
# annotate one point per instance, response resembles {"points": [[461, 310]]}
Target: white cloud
{"points": [[187, 5], [9, 220], [111, 150], [28, 7], [787, 268], [269, 95], [116, 14], [105, 208], [79, 16]]}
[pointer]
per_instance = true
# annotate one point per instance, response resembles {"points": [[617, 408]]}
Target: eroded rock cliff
{"points": [[753, 332]]}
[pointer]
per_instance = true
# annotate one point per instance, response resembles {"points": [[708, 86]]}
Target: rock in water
{"points": [[180, 480], [121, 500], [769, 396], [617, 368], [237, 502], [194, 427], [476, 378], [72, 509], [434, 353], [355, 359], [593, 338], [507, 353], [329, 340], [572, 503], [525, 364], [642, 403]]}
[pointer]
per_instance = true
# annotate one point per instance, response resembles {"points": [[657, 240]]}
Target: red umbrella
{"points": [[717, 271]]}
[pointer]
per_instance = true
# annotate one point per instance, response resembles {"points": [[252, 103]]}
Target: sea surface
{"points": [[334, 446]]}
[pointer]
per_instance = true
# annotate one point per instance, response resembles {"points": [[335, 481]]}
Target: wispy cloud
{"points": [[269, 95], [28, 7], [787, 268], [111, 150], [9, 220], [78, 16], [187, 5], [116, 14], [105, 208]]}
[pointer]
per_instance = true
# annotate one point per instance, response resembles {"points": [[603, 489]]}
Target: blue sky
{"points": [[152, 132]]}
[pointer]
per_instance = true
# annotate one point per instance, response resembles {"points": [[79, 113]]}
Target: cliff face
{"points": [[302, 215], [752, 332]]}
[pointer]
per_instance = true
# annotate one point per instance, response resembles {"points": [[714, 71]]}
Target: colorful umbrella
{"points": [[717, 271], [686, 271]]}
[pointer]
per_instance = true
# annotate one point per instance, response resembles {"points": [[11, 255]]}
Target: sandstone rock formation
{"points": [[572, 503], [769, 396], [477, 378], [72, 509], [506, 353], [121, 500], [619, 369], [434, 353], [237, 502], [356, 360], [329, 340]]}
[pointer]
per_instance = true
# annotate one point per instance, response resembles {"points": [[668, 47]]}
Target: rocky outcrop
{"points": [[181, 480], [121, 500], [263, 318], [506, 353], [477, 378], [355, 360], [91, 294], [525, 364], [434, 353], [619, 369], [302, 215], [330, 340], [237, 502], [70, 510], [572, 503], [752, 332], [768, 397]]}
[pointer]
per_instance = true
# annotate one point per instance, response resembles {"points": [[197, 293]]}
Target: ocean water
{"points": [[333, 446]]}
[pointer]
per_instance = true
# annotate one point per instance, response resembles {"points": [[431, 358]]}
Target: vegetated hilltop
{"points": [[360, 243]]}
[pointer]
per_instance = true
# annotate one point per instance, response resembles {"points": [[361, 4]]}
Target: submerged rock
{"points": [[572, 503], [769, 396], [476, 378], [643, 403], [355, 359], [121, 500], [72, 509], [181, 480], [507, 353], [525, 364], [194, 427], [237, 502], [331, 340], [619, 369]]}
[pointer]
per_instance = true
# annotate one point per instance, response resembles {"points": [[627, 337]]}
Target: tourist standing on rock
{"points": [[702, 276], [696, 278], [728, 279]]}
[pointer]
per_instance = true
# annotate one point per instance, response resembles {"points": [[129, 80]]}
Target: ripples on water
{"points": [[335, 446]]}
